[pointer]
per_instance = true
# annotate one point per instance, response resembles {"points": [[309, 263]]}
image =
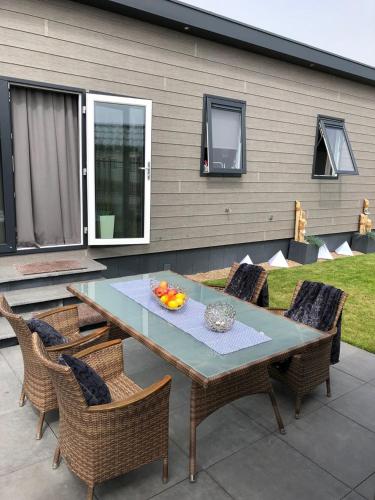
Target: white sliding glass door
{"points": [[119, 170]]}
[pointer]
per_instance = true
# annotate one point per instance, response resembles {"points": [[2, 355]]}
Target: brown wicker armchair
{"points": [[37, 385], [105, 441], [261, 281], [310, 368]]}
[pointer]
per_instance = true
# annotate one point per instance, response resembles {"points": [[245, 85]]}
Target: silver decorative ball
{"points": [[219, 316]]}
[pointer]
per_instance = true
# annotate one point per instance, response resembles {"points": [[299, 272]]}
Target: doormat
{"points": [[50, 266]]}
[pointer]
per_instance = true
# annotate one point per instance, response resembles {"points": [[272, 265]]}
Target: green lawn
{"points": [[355, 275]]}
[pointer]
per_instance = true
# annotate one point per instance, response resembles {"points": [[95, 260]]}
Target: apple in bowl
{"points": [[168, 295]]}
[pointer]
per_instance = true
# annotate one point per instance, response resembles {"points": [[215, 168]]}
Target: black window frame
{"points": [[229, 104], [321, 135]]}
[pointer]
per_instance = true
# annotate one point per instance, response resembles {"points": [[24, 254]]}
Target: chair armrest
{"points": [[145, 396], [332, 332], [106, 358], [98, 335], [276, 310]]}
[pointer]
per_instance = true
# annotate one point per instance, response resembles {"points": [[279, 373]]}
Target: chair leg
{"points": [[90, 492], [298, 406], [56, 458], [39, 429], [328, 385], [22, 397], [165, 469], [276, 410]]}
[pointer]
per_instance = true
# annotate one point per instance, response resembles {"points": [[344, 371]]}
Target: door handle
{"points": [[147, 169]]}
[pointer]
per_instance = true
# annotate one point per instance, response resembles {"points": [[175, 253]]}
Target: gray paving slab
{"points": [[52, 418], [6, 331], [146, 481], [180, 390], [40, 482], [13, 356], [367, 488], [138, 358], [234, 444], [145, 368], [19, 448], [353, 496], [358, 405], [270, 469], [341, 383], [360, 364], [10, 388], [259, 407], [347, 349], [336, 443], [204, 489], [221, 434]]}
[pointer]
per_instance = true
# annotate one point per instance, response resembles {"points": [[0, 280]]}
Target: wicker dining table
{"points": [[216, 379]]}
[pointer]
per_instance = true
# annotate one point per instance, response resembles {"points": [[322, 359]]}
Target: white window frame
{"points": [[91, 99]]}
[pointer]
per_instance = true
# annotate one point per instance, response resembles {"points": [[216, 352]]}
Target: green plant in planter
{"points": [[370, 235], [314, 240]]}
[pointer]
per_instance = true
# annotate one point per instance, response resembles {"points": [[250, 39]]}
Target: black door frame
{"points": [[6, 163]]}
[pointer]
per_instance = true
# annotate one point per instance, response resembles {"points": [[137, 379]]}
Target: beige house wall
{"points": [[70, 44]]}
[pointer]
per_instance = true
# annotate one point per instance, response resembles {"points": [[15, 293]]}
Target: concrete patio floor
{"points": [[328, 454]]}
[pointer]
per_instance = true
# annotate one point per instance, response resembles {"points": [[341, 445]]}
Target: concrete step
{"points": [[26, 299], [11, 279]]}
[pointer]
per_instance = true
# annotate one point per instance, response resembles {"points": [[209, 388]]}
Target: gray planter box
{"points": [[304, 253], [362, 243]]}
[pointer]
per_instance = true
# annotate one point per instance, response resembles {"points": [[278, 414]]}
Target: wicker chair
{"points": [[105, 441], [37, 385], [310, 368], [261, 281]]}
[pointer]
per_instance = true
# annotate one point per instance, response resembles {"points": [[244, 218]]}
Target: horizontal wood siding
{"points": [[66, 43]]}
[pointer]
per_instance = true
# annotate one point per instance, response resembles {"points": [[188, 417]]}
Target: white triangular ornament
{"points": [[324, 253], [278, 260], [246, 260], [344, 249]]}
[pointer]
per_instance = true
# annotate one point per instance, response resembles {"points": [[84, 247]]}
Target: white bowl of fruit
{"points": [[168, 295]]}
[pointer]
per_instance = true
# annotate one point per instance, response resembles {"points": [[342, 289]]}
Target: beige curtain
{"points": [[46, 167]]}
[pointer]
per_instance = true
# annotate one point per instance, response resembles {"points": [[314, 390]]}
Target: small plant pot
{"points": [[304, 253], [107, 226], [362, 243]]}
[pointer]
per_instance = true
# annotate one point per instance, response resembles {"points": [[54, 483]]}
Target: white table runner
{"points": [[190, 319]]}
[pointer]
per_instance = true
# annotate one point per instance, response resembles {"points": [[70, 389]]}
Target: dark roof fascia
{"points": [[177, 16]]}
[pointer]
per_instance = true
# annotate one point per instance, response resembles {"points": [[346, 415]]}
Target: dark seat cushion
{"points": [[46, 332], [94, 389]]}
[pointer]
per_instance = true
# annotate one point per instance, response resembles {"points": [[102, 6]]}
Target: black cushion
{"points": [[46, 332], [94, 389]]}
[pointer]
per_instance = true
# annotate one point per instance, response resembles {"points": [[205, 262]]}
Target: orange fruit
{"points": [[172, 293]]}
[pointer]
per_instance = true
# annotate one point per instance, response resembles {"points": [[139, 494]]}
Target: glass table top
{"points": [[284, 333]]}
